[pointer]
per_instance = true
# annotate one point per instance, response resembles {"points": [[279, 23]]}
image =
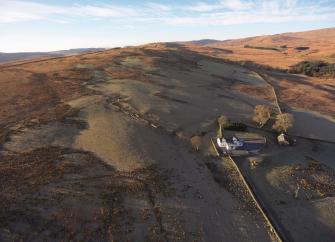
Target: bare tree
{"points": [[262, 114], [196, 142], [283, 122], [223, 121], [219, 133]]}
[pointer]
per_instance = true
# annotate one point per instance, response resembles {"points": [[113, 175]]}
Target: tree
{"points": [[262, 113], [219, 133], [196, 142], [283, 122], [223, 121]]}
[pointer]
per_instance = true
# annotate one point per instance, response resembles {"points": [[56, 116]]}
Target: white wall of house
{"points": [[228, 145]]}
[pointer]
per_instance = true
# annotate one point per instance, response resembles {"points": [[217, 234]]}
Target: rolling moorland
{"points": [[281, 50], [96, 146]]}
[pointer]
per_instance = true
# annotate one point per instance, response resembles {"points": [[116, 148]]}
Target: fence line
{"points": [[263, 76]]}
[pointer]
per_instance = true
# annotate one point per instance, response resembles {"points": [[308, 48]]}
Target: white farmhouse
{"points": [[230, 144]]}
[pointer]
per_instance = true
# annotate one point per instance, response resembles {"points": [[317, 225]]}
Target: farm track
{"points": [[275, 226]]}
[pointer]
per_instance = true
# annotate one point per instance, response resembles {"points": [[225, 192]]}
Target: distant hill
{"points": [[76, 51], [280, 50], [294, 39], [203, 42], [4, 57]]}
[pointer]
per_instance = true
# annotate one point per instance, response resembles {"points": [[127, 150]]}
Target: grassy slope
{"points": [[114, 128], [321, 45], [104, 126]]}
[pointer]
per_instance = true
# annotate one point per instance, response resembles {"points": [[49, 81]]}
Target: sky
{"points": [[46, 25]]}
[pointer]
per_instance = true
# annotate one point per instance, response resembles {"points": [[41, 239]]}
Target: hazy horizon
{"points": [[39, 26]]}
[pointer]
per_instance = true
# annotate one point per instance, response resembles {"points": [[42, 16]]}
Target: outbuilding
{"points": [[284, 139]]}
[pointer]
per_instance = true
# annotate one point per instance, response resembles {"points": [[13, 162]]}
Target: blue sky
{"points": [[37, 25]]}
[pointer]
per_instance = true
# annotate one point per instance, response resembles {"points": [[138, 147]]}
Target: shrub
{"points": [[196, 142], [262, 113], [283, 122], [223, 121], [314, 68], [256, 161], [237, 126], [260, 47], [302, 48]]}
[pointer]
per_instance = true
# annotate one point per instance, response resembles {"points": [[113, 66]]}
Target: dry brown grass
{"points": [[56, 193], [45, 189], [292, 91], [255, 91], [321, 45]]}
